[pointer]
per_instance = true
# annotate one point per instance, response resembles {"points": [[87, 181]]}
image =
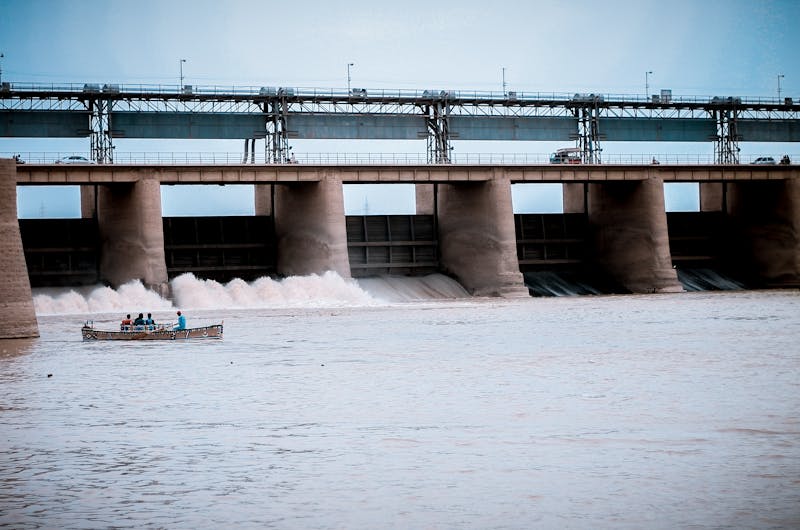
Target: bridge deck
{"points": [[55, 174]]}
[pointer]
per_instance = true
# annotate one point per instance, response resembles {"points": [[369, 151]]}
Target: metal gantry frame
{"points": [[276, 145], [101, 144], [434, 106], [438, 129], [726, 143], [588, 139]]}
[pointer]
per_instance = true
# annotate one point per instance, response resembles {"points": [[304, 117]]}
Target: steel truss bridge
{"points": [[278, 114]]}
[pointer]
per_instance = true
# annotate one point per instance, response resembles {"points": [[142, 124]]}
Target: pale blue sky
{"points": [[716, 47]]}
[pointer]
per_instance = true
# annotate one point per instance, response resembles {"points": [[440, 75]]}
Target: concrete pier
{"points": [[574, 197], [263, 199], [631, 240], [132, 234], [424, 199], [16, 304], [712, 196], [311, 229], [766, 219], [88, 202], [477, 237]]}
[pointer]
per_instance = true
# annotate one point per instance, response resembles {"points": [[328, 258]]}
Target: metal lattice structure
{"points": [[278, 115]]}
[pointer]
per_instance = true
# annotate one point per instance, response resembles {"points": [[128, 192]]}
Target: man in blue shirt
{"points": [[181, 322]]}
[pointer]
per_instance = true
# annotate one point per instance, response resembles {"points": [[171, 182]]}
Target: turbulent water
{"points": [[406, 404]]}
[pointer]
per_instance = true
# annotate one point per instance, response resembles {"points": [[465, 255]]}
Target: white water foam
{"points": [[325, 290], [97, 300], [189, 292]]}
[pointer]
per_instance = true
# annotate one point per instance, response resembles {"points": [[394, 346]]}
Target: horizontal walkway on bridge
{"points": [[62, 174], [222, 158]]}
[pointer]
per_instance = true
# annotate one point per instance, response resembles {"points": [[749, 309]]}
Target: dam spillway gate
{"points": [[392, 244], [61, 252], [220, 248], [67, 252]]}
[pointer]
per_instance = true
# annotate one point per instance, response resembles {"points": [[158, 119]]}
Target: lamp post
{"points": [[504, 81], [647, 83], [181, 67], [1, 66], [348, 76], [780, 76]]}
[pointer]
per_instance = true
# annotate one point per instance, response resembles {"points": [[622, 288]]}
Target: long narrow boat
{"points": [[213, 331]]}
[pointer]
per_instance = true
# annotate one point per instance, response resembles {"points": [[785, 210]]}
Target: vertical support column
{"points": [[574, 197], [477, 237], [439, 131], [16, 302], [263, 199], [424, 199], [132, 234], [88, 202], [100, 121], [589, 133], [712, 196], [310, 228], [726, 146], [766, 220], [277, 141], [629, 222]]}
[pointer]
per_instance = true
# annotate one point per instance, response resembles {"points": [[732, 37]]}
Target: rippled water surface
{"points": [[671, 411]]}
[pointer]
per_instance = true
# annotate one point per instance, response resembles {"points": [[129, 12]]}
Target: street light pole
{"points": [[181, 66], [504, 81], [348, 76], [779, 87], [647, 83], [1, 66]]}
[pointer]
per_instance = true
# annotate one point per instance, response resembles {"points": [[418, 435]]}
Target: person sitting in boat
{"points": [[149, 322], [181, 322], [125, 325]]}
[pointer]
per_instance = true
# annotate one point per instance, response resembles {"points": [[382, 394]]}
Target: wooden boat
{"points": [[213, 331]]}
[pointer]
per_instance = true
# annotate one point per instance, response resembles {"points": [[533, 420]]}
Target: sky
{"points": [[713, 47]]}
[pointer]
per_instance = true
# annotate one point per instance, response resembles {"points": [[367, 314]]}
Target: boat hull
{"points": [[205, 332]]}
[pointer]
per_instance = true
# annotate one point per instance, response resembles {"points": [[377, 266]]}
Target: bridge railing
{"points": [[112, 89], [232, 158]]}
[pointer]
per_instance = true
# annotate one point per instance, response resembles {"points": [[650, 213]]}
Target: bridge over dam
{"points": [[614, 223], [111, 113]]}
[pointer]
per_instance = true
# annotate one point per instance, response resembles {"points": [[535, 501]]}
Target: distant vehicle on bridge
{"points": [[764, 161], [74, 159], [567, 155]]}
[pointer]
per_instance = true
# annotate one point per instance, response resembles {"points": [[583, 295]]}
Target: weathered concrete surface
{"points": [[425, 201], [370, 173], [88, 202], [477, 237], [631, 241], [132, 234], [310, 228], [766, 221], [263, 199], [712, 196], [16, 304], [574, 197]]}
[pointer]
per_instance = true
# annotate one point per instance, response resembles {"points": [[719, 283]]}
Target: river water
{"points": [[331, 408]]}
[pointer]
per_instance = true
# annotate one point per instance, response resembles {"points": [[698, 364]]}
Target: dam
{"points": [[614, 221]]}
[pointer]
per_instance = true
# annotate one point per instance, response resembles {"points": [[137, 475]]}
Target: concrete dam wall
{"points": [[465, 228]]}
